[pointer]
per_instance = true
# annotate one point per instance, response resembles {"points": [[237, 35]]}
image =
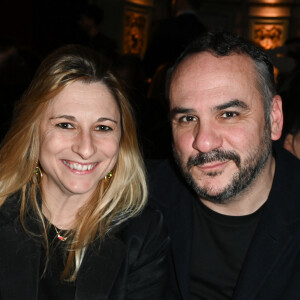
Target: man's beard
{"points": [[248, 170]]}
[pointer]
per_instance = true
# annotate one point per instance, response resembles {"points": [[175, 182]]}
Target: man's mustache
{"points": [[214, 155]]}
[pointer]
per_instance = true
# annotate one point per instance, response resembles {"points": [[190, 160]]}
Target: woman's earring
{"points": [[38, 174], [108, 176]]}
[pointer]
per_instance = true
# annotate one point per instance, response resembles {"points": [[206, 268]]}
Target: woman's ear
{"points": [[288, 143], [276, 115]]}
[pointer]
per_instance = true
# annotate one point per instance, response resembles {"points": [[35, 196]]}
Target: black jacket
{"points": [[271, 269], [129, 264]]}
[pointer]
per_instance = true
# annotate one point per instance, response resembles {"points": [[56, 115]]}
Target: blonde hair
{"points": [[111, 204]]}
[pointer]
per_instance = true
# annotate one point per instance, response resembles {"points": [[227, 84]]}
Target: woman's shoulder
{"points": [[10, 209]]}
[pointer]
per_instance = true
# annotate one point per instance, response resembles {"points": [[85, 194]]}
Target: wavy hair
{"points": [[111, 204]]}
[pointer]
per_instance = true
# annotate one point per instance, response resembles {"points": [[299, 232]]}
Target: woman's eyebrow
{"points": [[102, 119], [72, 118], [68, 117]]}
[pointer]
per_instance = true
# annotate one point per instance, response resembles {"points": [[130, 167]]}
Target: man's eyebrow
{"points": [[180, 110], [232, 103]]}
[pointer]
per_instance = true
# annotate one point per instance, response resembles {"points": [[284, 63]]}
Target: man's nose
{"points": [[206, 137]]}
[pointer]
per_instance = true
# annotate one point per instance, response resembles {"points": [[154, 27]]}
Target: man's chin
{"points": [[216, 196]]}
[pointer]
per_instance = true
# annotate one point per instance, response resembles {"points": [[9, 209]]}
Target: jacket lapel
{"points": [[99, 269], [270, 242], [20, 263], [274, 233], [179, 221], [19, 255]]}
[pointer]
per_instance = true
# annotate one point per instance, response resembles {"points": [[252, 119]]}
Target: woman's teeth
{"points": [[80, 167]]}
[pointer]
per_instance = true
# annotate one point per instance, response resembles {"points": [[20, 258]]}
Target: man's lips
{"points": [[215, 158], [212, 165]]}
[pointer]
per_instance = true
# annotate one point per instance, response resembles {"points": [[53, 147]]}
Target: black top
{"points": [[219, 247], [271, 269], [130, 263], [51, 286]]}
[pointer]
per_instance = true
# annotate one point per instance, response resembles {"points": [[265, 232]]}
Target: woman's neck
{"points": [[61, 209]]}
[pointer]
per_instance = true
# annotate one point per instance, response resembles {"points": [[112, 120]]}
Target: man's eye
{"points": [[103, 128], [187, 119], [65, 125], [229, 114]]}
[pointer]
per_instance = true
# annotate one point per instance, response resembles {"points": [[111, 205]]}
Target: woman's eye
{"points": [[103, 128], [229, 114], [65, 125]]}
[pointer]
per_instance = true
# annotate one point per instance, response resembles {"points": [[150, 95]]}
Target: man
{"points": [[236, 233]]}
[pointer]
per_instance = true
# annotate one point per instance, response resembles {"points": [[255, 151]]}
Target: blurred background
{"points": [[43, 25], [141, 39]]}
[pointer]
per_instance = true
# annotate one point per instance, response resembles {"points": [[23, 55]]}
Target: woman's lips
{"points": [[80, 167]]}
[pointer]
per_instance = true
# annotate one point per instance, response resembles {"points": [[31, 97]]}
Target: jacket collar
{"points": [[21, 252], [99, 269], [179, 220], [96, 275], [279, 223], [279, 220], [10, 209]]}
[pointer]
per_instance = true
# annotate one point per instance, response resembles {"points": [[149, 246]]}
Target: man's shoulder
{"points": [[287, 170], [285, 191], [163, 175], [160, 167], [166, 184]]}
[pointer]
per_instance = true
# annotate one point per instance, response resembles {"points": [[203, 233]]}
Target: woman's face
{"points": [[79, 139], [296, 144], [292, 143]]}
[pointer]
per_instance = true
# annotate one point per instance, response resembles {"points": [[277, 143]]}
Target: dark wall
{"points": [[40, 26]]}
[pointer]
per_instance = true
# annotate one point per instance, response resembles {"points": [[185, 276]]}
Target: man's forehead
{"points": [[212, 80], [205, 66], [205, 61]]}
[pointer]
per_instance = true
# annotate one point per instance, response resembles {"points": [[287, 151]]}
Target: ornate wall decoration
{"points": [[269, 23], [136, 24], [268, 33]]}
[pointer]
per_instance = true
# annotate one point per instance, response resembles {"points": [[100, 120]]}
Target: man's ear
{"points": [[288, 143], [276, 118]]}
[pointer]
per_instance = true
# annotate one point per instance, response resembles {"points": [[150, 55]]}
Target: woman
{"points": [[73, 188], [291, 135]]}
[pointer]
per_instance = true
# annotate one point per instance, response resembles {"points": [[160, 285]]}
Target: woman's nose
{"points": [[84, 145]]}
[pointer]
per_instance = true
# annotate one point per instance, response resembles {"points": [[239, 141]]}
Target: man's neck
{"points": [[250, 200]]}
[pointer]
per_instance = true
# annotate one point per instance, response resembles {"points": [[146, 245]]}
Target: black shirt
{"points": [[51, 286], [220, 244]]}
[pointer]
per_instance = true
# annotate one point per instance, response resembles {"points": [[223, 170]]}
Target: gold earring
{"points": [[38, 174], [108, 176]]}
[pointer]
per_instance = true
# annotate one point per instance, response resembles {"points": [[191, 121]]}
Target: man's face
{"points": [[221, 139]]}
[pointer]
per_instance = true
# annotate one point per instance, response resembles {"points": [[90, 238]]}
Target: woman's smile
{"points": [[80, 166]]}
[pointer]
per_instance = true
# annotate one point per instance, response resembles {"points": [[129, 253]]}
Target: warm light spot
{"points": [[269, 11], [141, 2]]}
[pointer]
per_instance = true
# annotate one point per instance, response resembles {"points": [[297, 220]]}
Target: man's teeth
{"points": [[79, 167]]}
